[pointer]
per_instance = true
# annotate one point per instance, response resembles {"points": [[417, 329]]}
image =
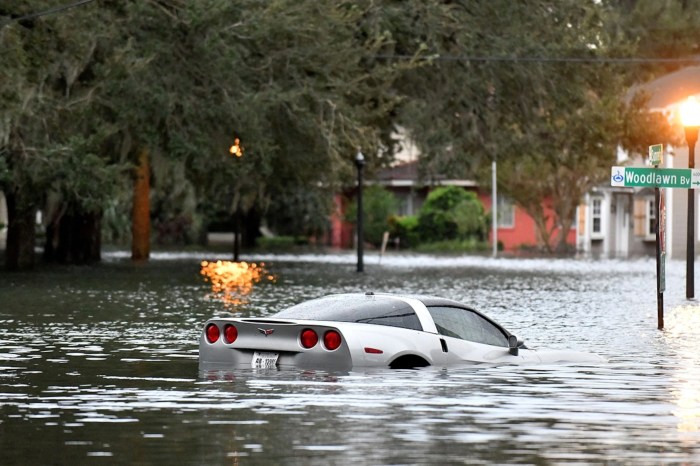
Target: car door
{"points": [[470, 337]]}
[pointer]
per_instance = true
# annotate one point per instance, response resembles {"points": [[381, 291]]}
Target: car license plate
{"points": [[264, 360]]}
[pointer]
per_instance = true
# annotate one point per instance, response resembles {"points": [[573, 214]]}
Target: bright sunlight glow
{"points": [[232, 282], [690, 112]]}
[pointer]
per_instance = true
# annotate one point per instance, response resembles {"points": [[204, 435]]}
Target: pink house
{"points": [[516, 229]]}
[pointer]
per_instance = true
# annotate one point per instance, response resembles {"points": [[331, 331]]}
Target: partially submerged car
{"points": [[345, 331]]}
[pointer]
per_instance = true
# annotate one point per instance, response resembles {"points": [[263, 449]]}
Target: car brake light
{"points": [[230, 333], [331, 340], [308, 338], [213, 333]]}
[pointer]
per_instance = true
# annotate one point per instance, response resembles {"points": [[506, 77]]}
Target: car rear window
{"points": [[361, 309]]}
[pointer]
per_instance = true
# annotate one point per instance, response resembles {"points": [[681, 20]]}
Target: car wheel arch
{"points": [[408, 361]]}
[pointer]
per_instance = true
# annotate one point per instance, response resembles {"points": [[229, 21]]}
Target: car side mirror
{"points": [[513, 345]]}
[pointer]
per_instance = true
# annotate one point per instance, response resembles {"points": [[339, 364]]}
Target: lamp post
{"points": [[690, 116], [236, 150], [359, 163]]}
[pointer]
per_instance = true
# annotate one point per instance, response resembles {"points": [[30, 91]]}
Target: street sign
{"points": [[655, 177], [656, 154]]}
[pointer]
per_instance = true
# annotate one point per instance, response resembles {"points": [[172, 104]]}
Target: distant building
{"points": [[617, 223], [620, 222], [516, 229]]}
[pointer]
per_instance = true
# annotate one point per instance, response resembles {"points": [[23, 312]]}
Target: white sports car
{"points": [[369, 330]]}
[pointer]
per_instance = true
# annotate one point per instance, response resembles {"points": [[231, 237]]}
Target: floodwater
{"points": [[98, 365]]}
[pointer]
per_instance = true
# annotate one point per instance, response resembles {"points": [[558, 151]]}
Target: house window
{"points": [[505, 212], [597, 217], [650, 218], [645, 218]]}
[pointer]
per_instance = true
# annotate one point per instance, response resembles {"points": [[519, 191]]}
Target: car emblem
{"points": [[266, 331]]}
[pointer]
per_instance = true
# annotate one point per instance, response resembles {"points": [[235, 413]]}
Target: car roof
{"points": [[427, 300]]}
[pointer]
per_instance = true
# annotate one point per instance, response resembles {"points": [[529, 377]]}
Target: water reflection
{"points": [[232, 282], [683, 333]]}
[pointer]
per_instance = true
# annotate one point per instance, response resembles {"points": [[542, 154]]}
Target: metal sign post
{"points": [[660, 255], [656, 158], [657, 178]]}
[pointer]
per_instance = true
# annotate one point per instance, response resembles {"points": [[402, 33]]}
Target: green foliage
{"points": [[303, 84], [298, 211], [83, 179], [405, 228], [662, 29], [451, 213], [378, 205]]}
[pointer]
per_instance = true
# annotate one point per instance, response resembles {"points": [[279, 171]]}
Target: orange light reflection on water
{"points": [[682, 331], [232, 282]]}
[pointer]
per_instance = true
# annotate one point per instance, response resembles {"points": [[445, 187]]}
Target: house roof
{"points": [[407, 174], [672, 88], [403, 171]]}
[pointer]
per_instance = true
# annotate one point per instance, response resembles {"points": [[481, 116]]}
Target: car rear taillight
{"points": [[331, 340], [308, 338], [212, 332], [230, 333]]}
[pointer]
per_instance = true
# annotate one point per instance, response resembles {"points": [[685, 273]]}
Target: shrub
{"points": [[378, 206], [405, 229], [451, 213]]}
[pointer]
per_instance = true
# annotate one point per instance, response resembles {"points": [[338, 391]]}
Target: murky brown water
{"points": [[99, 366]]}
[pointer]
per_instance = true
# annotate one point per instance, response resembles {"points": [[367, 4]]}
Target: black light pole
{"points": [[236, 150], [690, 117], [359, 162], [236, 234], [691, 136]]}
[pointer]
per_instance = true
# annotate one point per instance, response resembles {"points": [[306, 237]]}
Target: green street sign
{"points": [[655, 177], [656, 154]]}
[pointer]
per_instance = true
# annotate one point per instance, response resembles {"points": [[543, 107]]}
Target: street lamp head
{"points": [[236, 149], [359, 159], [690, 112]]}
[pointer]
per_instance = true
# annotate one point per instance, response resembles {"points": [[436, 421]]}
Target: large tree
{"points": [[92, 93], [530, 86], [50, 143], [297, 82]]}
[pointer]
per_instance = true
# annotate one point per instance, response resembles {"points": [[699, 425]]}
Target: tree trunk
{"points": [[565, 219], [141, 213], [250, 227], [19, 251], [74, 238]]}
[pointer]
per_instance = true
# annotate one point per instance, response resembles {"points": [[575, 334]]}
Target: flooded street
{"points": [[98, 365]]}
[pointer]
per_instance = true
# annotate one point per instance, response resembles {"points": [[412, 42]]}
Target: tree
{"points": [[46, 89], [535, 98], [303, 84], [655, 30], [179, 81]]}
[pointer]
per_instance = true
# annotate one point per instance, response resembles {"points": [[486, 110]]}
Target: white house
{"points": [[620, 222]]}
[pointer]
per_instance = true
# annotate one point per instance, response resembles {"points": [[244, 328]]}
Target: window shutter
{"points": [[640, 217]]}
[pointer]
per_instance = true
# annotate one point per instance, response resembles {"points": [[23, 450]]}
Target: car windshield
{"points": [[361, 309]]}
